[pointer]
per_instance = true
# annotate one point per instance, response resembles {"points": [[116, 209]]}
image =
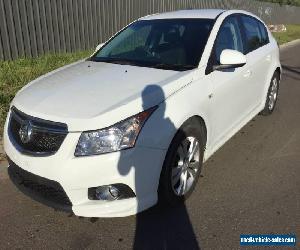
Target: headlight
{"points": [[122, 135]]}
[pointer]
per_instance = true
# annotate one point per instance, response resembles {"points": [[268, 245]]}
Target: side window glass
{"points": [[229, 37], [253, 35], [264, 34]]}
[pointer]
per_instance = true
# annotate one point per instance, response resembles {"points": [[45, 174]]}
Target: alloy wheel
{"points": [[273, 94], [186, 166]]}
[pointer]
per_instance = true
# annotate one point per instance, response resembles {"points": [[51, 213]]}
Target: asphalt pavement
{"points": [[250, 186]]}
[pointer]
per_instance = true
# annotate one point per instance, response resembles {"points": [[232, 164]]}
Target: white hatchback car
{"points": [[130, 126]]}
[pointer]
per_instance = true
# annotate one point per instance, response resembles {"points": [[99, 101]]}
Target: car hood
{"points": [[89, 95]]}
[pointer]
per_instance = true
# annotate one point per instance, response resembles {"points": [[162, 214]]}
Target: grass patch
{"points": [[292, 33], [15, 74]]}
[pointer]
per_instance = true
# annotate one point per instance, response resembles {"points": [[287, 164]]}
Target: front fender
{"points": [[159, 130]]}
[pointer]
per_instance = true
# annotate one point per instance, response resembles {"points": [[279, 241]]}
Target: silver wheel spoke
{"points": [[184, 172], [273, 94], [190, 178], [192, 173], [193, 141], [176, 173], [194, 148], [182, 186]]}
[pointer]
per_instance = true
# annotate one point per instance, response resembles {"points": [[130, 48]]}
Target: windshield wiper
{"points": [[177, 67], [114, 60], [158, 65]]}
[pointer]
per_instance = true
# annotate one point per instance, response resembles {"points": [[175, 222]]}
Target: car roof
{"points": [[194, 13]]}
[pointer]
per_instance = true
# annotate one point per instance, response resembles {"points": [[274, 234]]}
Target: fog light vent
{"points": [[110, 192], [107, 193]]}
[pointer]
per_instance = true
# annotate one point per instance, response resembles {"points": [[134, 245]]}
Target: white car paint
{"points": [[233, 57], [89, 96], [95, 82]]}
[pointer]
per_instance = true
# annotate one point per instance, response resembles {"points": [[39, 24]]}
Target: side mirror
{"points": [[230, 59]]}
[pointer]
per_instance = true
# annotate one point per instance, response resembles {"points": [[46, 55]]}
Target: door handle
{"points": [[268, 58], [247, 73]]}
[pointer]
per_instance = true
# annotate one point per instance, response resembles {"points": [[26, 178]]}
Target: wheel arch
{"points": [[201, 122], [279, 71], [275, 68]]}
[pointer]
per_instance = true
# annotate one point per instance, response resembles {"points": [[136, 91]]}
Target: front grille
{"points": [[40, 189], [46, 137]]}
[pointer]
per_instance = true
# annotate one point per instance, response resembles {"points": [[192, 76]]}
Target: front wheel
{"points": [[182, 165], [272, 95]]}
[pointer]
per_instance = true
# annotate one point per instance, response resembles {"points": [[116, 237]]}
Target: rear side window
{"points": [[255, 35], [264, 34]]}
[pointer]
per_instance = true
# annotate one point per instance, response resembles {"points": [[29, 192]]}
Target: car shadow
{"points": [[158, 228], [295, 70], [291, 72]]}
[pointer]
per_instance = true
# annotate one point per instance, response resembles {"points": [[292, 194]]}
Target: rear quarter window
{"points": [[264, 33]]}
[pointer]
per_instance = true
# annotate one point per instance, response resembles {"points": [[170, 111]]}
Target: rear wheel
{"points": [[272, 95], [182, 165]]}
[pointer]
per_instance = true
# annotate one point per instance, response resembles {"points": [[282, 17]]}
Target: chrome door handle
{"points": [[247, 73]]}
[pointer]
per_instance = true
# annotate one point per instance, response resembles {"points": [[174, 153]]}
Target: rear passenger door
{"points": [[258, 54]]}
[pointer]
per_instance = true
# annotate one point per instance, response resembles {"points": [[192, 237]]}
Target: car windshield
{"points": [[174, 44]]}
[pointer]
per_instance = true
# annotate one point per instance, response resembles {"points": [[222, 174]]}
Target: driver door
{"points": [[230, 87]]}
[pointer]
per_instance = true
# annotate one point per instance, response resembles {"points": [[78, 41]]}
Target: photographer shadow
{"points": [[158, 228]]}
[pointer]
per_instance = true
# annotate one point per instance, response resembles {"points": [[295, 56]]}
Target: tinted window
{"points": [[229, 37], [131, 41], [170, 44], [255, 33], [264, 34]]}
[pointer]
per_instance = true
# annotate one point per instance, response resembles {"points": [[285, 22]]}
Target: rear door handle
{"points": [[268, 58], [247, 73]]}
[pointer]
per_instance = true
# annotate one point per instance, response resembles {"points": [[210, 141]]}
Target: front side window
{"points": [[229, 37], [253, 35], [175, 44]]}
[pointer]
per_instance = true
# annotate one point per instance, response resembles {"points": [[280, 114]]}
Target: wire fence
{"points": [[33, 27]]}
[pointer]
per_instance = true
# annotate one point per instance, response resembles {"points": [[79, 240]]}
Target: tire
{"points": [[272, 95], [170, 192]]}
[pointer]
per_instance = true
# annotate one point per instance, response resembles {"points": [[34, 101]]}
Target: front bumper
{"points": [[139, 168], [38, 188]]}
